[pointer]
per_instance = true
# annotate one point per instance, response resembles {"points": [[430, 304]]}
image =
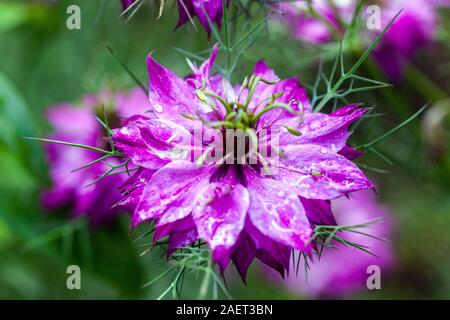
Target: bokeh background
{"points": [[42, 63]]}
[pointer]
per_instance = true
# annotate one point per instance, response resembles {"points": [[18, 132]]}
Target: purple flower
{"points": [[311, 29], [207, 11], [413, 29], [242, 210], [77, 124], [132, 102], [343, 270]]}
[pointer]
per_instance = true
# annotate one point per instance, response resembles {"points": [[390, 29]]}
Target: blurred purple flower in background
{"points": [[207, 11], [413, 29], [343, 270], [316, 28], [132, 102], [241, 213], [77, 124]]}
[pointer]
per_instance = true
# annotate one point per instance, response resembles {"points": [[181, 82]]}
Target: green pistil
{"points": [[238, 115], [275, 105], [252, 83]]}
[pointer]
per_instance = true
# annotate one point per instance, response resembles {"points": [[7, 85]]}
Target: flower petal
{"points": [[276, 211], [171, 193], [126, 3], [243, 254], [350, 153], [151, 143], [316, 173], [202, 74], [185, 10], [253, 244], [169, 95], [221, 217], [181, 233], [318, 212], [262, 70], [330, 131], [270, 252], [208, 12], [132, 188]]}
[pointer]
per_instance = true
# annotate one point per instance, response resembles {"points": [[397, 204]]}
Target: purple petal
{"points": [[181, 238], [350, 153], [169, 95], [330, 131], [185, 10], [270, 252], [181, 233], [277, 212], [132, 188], [208, 11], [316, 173], [126, 3], [171, 193], [221, 217], [202, 74], [262, 70], [243, 254], [318, 212], [201, 79], [253, 244], [151, 143]]}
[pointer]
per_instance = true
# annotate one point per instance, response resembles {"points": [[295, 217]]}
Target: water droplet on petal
{"points": [[323, 150], [158, 108]]}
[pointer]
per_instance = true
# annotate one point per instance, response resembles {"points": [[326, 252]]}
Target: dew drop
{"points": [[158, 108]]}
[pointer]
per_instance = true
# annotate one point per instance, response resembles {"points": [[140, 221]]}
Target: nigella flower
{"points": [[413, 29], [77, 124], [344, 270], [207, 11], [309, 27], [242, 209]]}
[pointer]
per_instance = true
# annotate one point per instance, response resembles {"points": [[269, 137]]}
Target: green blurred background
{"points": [[43, 63]]}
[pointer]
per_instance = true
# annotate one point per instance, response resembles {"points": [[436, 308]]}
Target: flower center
{"points": [[238, 119], [245, 110]]}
